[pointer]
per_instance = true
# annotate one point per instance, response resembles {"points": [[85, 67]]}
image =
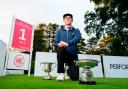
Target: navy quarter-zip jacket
{"points": [[71, 36]]}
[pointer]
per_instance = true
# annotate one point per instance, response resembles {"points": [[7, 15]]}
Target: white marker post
{"points": [[31, 50]]}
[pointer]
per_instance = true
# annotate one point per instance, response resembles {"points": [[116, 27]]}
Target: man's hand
{"points": [[63, 44]]}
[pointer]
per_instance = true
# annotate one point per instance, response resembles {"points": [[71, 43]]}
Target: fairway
{"points": [[25, 82]]}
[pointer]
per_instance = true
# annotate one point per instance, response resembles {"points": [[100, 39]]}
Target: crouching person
{"points": [[66, 39]]}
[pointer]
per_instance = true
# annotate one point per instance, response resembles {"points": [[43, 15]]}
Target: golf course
{"points": [[32, 82]]}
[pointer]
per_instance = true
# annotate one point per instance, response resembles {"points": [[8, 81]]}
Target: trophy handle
{"points": [[54, 66], [76, 62]]}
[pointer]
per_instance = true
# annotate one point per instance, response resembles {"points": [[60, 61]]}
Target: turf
{"points": [[31, 82]]}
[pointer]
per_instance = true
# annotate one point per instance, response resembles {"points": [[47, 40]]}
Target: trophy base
{"points": [[87, 82], [47, 78]]}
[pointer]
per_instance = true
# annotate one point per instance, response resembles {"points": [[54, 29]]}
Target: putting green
{"points": [[25, 82]]}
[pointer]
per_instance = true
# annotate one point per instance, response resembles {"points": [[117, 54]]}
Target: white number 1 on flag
{"points": [[23, 35]]}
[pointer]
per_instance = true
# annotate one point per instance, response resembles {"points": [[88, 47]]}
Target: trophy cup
{"points": [[47, 69], [86, 74]]}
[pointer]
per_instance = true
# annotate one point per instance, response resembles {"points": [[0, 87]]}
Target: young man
{"points": [[66, 39]]}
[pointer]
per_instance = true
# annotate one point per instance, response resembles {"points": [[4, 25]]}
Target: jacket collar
{"points": [[63, 28]]}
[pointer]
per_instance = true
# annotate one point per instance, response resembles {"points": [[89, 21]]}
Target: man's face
{"points": [[68, 20]]}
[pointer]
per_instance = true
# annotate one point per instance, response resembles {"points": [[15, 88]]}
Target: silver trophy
{"points": [[86, 74], [47, 69], [66, 76]]}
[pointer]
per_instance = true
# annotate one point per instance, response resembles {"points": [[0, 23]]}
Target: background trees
{"points": [[109, 17]]}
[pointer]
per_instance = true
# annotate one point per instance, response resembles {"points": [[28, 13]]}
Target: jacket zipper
{"points": [[67, 35]]}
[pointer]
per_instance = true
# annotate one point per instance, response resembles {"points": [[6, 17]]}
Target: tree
{"points": [[39, 43], [110, 17], [44, 36], [91, 46], [81, 46], [92, 43], [51, 29]]}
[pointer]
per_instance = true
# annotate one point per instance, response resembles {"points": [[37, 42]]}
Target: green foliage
{"points": [[92, 43], [110, 17], [44, 36], [39, 43], [81, 46]]}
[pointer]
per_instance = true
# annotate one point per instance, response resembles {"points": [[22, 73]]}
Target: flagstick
{"points": [[9, 45], [31, 50]]}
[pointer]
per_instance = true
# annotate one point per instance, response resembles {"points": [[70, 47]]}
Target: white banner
{"points": [[51, 57], [116, 66], [2, 56], [18, 61], [44, 57]]}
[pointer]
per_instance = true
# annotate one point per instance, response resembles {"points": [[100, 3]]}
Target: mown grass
{"points": [[31, 82]]}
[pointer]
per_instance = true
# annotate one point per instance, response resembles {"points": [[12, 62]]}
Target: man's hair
{"points": [[67, 14]]}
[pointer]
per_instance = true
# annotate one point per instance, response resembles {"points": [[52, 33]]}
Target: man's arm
{"points": [[76, 38], [56, 39]]}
